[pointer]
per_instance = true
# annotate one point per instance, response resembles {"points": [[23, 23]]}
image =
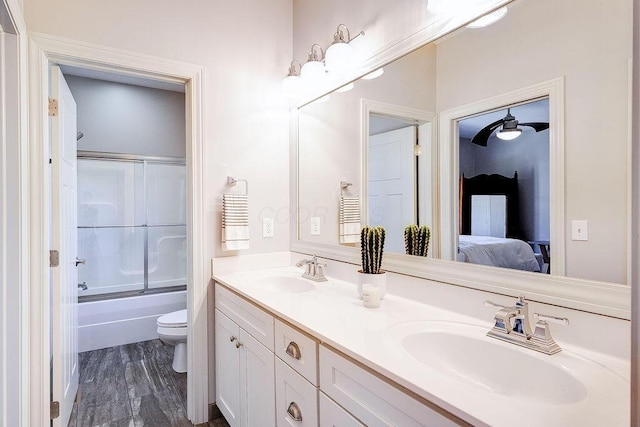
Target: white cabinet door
{"points": [[296, 398], [257, 382], [228, 397], [332, 415]]}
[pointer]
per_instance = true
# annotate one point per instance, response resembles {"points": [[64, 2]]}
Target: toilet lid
{"points": [[177, 319]]}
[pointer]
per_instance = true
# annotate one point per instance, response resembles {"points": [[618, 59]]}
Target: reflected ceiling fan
{"points": [[509, 131]]}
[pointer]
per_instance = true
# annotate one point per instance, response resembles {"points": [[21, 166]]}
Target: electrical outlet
{"points": [[579, 230], [315, 225], [267, 227]]}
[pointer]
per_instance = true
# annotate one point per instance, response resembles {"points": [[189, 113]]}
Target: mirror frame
{"points": [[604, 298]]}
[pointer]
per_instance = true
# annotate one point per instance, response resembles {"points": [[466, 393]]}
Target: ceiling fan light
{"points": [[509, 134]]}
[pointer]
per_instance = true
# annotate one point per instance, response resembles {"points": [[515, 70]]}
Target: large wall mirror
{"points": [[543, 69]]}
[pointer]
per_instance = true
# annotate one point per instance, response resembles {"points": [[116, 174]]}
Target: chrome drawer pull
{"points": [[232, 339], [294, 351], [294, 411], [238, 344]]}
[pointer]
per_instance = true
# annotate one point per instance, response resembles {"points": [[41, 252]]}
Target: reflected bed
{"points": [[497, 252]]}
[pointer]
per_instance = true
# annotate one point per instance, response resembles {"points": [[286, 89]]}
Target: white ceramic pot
{"points": [[378, 280]]}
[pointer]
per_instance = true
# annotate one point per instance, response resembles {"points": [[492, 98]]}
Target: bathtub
{"points": [[121, 321]]}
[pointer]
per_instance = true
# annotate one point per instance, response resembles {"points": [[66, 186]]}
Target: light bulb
{"points": [[339, 57], [488, 19], [374, 74], [345, 88], [291, 86], [509, 134]]}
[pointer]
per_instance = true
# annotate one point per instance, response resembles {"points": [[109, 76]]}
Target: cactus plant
{"points": [[416, 240], [371, 245]]}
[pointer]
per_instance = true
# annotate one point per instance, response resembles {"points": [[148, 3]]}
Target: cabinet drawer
{"points": [[369, 398], [333, 415], [297, 350], [295, 396], [252, 319]]}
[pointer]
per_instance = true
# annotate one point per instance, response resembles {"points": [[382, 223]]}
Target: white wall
{"points": [[123, 118], [529, 156], [245, 49]]}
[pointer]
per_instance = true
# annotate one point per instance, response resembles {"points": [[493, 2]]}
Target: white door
{"points": [[64, 294], [391, 184]]}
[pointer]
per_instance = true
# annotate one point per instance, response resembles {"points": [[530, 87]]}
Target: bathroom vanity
{"points": [[290, 351]]}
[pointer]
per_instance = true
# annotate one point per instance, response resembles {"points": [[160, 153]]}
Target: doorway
{"points": [[46, 51]]}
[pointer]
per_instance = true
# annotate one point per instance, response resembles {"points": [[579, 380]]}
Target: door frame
{"points": [[45, 50], [14, 227], [426, 162]]}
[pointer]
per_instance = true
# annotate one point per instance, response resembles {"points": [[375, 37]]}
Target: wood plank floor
{"points": [[132, 385]]}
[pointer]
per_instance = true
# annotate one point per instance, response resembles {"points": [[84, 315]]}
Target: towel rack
{"points": [[233, 181], [344, 185]]}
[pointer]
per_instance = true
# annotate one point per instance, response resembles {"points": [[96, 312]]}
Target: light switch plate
{"points": [[315, 225], [267, 227], [579, 230]]}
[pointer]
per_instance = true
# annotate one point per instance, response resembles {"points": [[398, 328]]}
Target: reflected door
{"points": [[391, 184]]}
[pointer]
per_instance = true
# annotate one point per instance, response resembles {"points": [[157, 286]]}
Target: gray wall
{"points": [[529, 156], [122, 118]]}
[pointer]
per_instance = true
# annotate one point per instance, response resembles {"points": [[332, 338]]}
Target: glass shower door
{"points": [[131, 226]]}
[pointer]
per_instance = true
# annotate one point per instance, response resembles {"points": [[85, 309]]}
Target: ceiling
{"points": [[121, 78], [537, 111]]}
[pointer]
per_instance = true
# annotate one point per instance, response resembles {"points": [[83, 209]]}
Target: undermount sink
{"points": [[287, 284], [463, 352]]}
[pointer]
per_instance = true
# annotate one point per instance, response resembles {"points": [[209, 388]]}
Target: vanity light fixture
{"points": [[313, 69], [291, 83], [374, 74], [488, 19], [340, 55]]}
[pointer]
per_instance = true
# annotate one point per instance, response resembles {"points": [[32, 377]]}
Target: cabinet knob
{"points": [[232, 339], [238, 344], [293, 350], [294, 411]]}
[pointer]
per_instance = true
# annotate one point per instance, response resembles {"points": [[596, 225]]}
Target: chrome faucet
{"points": [[511, 324], [313, 269]]}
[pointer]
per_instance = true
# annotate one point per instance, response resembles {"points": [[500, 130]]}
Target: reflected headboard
{"points": [[490, 185]]}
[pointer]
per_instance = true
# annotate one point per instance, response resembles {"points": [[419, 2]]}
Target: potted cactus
{"points": [[372, 246], [416, 240]]}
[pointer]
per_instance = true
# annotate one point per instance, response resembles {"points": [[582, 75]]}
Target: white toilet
{"points": [[172, 329]]}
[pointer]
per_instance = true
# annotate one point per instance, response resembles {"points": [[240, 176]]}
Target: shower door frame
{"points": [[144, 159], [45, 50]]}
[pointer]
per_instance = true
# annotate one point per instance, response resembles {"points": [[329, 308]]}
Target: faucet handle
{"points": [[542, 333], [488, 303]]}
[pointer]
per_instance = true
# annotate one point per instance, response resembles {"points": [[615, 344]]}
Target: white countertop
{"points": [[334, 314]]}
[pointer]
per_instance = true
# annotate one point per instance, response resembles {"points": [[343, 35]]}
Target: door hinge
{"points": [[54, 410], [53, 107], [54, 258]]}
